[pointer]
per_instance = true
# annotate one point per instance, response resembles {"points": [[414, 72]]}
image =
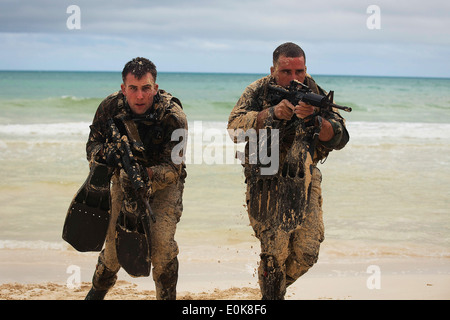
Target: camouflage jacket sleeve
{"points": [[167, 165], [341, 136], [98, 131], [245, 113]]}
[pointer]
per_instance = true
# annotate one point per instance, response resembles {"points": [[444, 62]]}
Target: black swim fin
{"points": [[88, 216], [133, 245], [281, 200]]}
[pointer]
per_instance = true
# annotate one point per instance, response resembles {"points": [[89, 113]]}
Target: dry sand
{"points": [[27, 274]]}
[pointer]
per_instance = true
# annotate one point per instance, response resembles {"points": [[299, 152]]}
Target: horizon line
{"points": [[235, 73]]}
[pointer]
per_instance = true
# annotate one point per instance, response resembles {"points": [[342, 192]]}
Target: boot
{"points": [[271, 279], [166, 284], [103, 280], [96, 294]]}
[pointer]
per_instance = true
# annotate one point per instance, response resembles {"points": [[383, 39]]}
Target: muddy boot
{"points": [[96, 294], [103, 280], [271, 279], [166, 284]]}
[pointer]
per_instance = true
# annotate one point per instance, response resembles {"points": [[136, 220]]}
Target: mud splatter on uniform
{"points": [[286, 253], [165, 116]]}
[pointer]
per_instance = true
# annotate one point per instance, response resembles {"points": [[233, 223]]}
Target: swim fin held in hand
{"points": [[88, 216]]}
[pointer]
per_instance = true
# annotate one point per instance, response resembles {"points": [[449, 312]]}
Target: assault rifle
{"points": [[125, 159], [298, 91]]}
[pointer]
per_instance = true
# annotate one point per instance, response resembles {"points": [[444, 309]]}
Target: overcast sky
{"points": [[413, 38]]}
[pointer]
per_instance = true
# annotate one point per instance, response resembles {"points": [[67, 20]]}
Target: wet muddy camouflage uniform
{"points": [[286, 253], [166, 188]]}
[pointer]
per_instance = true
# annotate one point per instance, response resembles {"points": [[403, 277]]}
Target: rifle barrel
{"points": [[293, 94], [348, 109]]}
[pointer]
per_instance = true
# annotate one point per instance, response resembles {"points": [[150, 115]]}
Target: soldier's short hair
{"points": [[289, 50], [139, 67]]}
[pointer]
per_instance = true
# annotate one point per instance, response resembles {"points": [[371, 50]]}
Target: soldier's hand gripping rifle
{"points": [[298, 91], [137, 174]]}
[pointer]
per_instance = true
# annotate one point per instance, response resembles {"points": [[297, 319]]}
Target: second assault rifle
{"points": [[298, 91]]}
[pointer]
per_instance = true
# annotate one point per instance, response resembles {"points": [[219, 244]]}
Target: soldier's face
{"points": [[288, 69], [139, 92]]}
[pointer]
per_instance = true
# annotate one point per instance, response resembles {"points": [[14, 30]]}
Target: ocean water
{"points": [[385, 194]]}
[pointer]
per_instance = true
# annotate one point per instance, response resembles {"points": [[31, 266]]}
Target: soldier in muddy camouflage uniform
{"points": [[286, 253], [162, 114]]}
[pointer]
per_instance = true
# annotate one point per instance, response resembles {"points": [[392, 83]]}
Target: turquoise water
{"points": [[45, 97], [386, 193]]}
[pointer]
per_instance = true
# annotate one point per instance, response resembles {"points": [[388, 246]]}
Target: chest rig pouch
{"points": [[152, 135]]}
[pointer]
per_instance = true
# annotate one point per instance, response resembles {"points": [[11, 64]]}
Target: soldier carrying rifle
{"points": [[130, 142], [285, 207]]}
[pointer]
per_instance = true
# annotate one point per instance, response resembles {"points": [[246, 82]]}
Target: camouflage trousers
{"points": [[285, 256], [167, 207]]}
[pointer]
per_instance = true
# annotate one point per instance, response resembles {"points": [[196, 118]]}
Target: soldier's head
{"points": [[139, 84], [288, 64]]}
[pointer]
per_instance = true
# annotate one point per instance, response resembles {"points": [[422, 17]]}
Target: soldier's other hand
{"points": [[284, 110], [111, 155], [303, 110]]}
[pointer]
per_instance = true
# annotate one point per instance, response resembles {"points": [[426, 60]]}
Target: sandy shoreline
{"points": [[30, 274]]}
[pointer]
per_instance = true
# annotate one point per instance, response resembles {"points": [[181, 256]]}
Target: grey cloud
{"points": [[215, 21], [241, 34]]}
